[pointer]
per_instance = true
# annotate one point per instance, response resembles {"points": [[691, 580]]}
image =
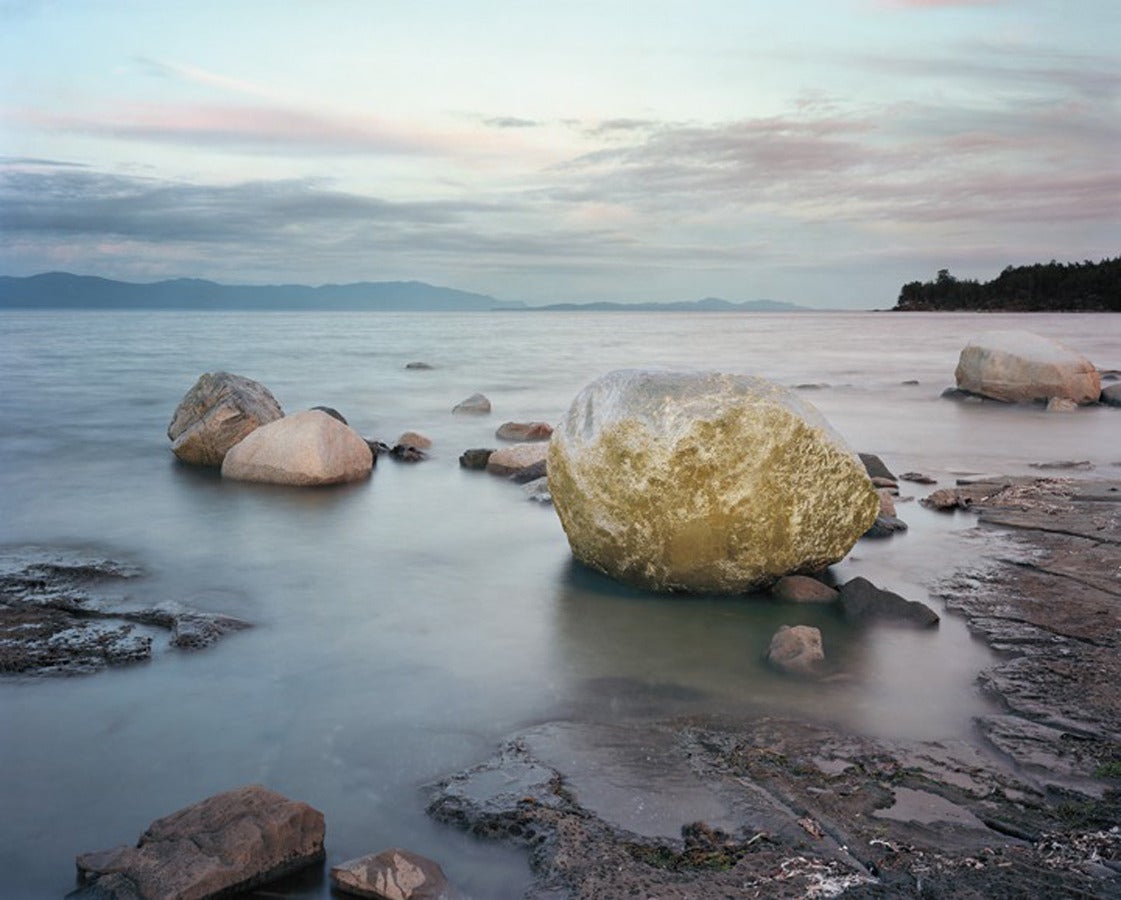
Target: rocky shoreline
{"points": [[699, 807]]}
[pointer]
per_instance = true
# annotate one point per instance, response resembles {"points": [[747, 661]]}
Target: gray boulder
{"points": [[215, 414], [797, 650], [875, 467], [392, 875], [227, 843], [1021, 367], [305, 449], [862, 601]]}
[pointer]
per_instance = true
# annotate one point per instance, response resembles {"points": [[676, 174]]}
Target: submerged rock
{"points": [[1020, 367], [305, 449], [215, 414], [392, 875], [875, 467], [797, 649], [1111, 395], [703, 481], [227, 843]]}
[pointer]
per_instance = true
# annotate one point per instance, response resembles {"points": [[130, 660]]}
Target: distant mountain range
{"points": [[62, 290]]}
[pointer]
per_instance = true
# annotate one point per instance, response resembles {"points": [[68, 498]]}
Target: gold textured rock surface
{"points": [[704, 482]]}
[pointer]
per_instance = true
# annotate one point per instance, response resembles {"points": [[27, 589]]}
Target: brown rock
{"points": [[511, 460], [215, 414], [802, 589], [392, 875], [1019, 367], [887, 505], [524, 431], [227, 843], [413, 439], [475, 458]]}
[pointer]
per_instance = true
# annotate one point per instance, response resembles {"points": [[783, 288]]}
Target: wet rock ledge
{"points": [[58, 617], [772, 807]]}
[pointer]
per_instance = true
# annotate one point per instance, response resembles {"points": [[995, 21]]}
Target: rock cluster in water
{"points": [[704, 481]]}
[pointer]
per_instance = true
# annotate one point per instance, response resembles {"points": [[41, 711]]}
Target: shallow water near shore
{"points": [[404, 625]]}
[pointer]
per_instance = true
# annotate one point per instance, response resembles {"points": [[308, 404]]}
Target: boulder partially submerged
{"points": [[393, 874], [304, 449], [1022, 367], [224, 844], [704, 481], [215, 414]]}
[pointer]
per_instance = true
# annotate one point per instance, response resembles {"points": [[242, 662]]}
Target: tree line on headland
{"points": [[1042, 287]]}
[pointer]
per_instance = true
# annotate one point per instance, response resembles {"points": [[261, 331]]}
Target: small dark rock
{"points": [[885, 526], [918, 478], [1111, 395], [530, 473], [476, 458], [875, 467], [910, 382], [333, 413], [476, 404], [408, 453], [1083, 464], [862, 601], [817, 386], [377, 447], [422, 366], [961, 396]]}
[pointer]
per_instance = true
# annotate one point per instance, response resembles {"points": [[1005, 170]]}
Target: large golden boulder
{"points": [[704, 482]]}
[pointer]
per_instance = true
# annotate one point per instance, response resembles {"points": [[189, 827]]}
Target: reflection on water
{"points": [[405, 624]]}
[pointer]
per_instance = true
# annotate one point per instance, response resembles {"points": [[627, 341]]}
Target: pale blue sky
{"points": [[812, 151]]}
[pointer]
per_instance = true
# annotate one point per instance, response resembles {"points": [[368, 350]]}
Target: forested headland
{"points": [[1043, 287]]}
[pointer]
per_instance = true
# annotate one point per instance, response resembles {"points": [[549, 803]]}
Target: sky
{"points": [[821, 152]]}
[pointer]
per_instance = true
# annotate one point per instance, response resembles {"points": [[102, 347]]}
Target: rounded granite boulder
{"points": [[704, 482], [1021, 367], [304, 449]]}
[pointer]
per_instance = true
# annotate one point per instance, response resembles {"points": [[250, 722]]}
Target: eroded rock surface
{"points": [[703, 481], [227, 843], [59, 615], [216, 413], [393, 874]]}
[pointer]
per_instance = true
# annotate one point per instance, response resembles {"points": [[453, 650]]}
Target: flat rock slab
{"points": [[227, 843], [59, 615]]}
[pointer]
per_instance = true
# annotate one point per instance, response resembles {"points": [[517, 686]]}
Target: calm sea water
{"points": [[406, 624]]}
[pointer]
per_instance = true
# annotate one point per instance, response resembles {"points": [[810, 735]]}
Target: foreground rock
{"points": [[515, 459], [57, 616], [215, 414], [1021, 367], [797, 650], [392, 875], [227, 843], [305, 449], [702, 481], [717, 806], [862, 601]]}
